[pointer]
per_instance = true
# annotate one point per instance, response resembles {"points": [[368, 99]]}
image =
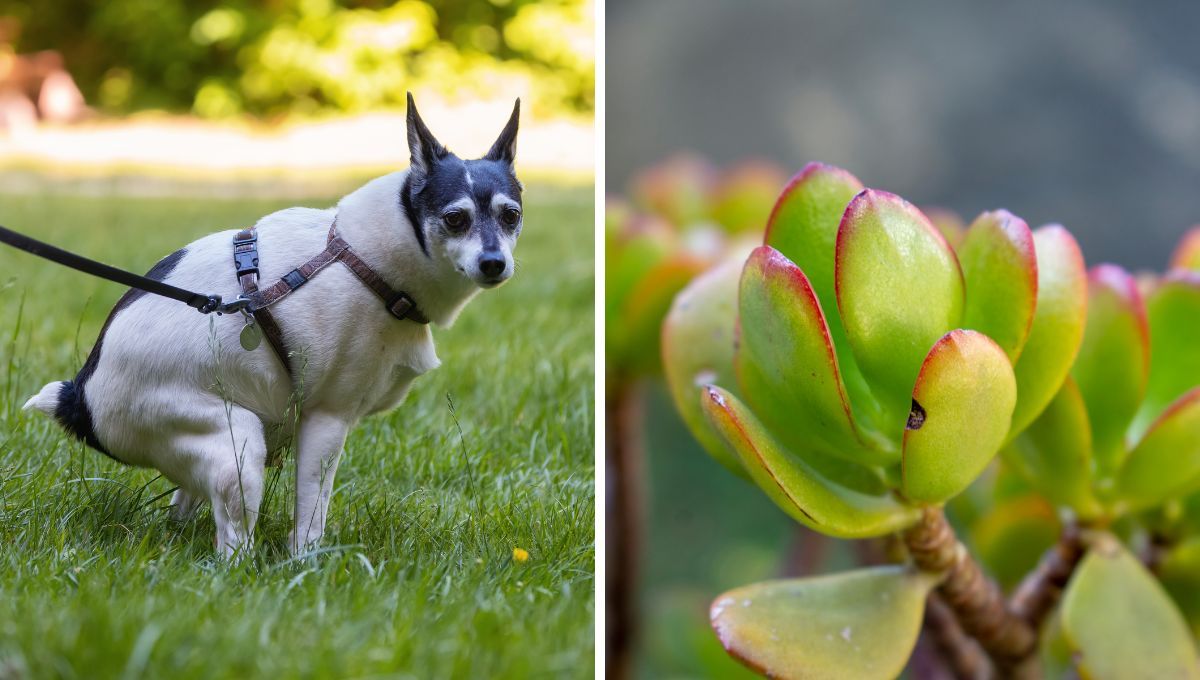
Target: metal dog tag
{"points": [[250, 337]]}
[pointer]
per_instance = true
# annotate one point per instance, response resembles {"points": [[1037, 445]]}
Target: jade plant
{"points": [[864, 370]]}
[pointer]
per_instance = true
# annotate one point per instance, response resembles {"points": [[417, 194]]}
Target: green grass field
{"points": [[417, 578]]}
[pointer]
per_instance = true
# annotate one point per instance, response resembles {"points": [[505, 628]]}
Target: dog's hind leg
{"points": [[322, 437], [184, 505], [234, 458]]}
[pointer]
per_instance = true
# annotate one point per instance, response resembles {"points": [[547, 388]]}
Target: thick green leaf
{"points": [[899, 289], [804, 223], [1166, 462], [1121, 624], [804, 227], [697, 348], [787, 366], [1173, 313], [961, 408], [1180, 574], [1055, 652], [1187, 253], [1057, 324], [1114, 361], [795, 485], [1012, 536], [1000, 269], [1055, 453], [861, 624]]}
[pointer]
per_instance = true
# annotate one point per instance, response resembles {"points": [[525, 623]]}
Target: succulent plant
{"points": [[1123, 432], [877, 370], [864, 366]]}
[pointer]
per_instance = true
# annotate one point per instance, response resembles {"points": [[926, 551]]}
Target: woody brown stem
{"points": [[1041, 590], [977, 602], [1157, 546], [623, 460], [961, 655]]}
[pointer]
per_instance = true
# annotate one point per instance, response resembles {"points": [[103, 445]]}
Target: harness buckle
{"points": [[245, 253], [401, 306], [245, 261]]}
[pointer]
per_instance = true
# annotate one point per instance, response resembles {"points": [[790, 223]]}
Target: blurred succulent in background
{"points": [[864, 366], [683, 216]]}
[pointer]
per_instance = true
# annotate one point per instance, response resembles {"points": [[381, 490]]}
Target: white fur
{"points": [[174, 390], [464, 251]]}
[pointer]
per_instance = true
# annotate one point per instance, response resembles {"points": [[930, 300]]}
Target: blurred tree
{"points": [[279, 57]]}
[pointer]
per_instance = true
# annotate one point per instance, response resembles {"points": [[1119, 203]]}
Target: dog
{"points": [[167, 388]]}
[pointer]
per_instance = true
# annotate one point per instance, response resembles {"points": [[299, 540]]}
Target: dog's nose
{"points": [[492, 264]]}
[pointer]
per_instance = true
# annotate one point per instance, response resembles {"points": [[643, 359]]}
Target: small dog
{"points": [[163, 388]]}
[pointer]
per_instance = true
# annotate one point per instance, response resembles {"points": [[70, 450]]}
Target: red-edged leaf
{"points": [[1173, 314], [1000, 268], [1166, 462], [899, 289], [861, 624], [961, 408], [1114, 360], [1187, 253], [787, 366], [1058, 323], [797, 487]]}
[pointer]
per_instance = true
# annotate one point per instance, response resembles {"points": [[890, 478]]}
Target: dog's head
{"points": [[466, 212]]}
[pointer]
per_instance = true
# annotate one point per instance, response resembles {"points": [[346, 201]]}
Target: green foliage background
{"points": [[281, 57]]}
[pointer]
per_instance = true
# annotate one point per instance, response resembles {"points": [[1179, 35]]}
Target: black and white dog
{"points": [[157, 391]]}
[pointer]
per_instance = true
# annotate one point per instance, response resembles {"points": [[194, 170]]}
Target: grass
{"points": [[491, 452]]}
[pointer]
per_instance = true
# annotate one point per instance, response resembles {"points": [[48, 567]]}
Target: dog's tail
{"points": [[47, 400]]}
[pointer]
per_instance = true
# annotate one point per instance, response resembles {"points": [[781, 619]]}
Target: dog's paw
{"points": [[298, 546]]}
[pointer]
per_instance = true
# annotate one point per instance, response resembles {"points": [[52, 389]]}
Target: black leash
{"points": [[204, 303]]}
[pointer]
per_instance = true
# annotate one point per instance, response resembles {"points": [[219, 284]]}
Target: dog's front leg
{"points": [[322, 437]]}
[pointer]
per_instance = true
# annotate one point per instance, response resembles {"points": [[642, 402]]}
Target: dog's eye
{"points": [[456, 220], [510, 217]]}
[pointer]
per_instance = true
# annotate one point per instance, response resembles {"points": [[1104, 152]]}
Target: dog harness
{"points": [[245, 259]]}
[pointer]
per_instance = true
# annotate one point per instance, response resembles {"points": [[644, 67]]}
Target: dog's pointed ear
{"points": [[424, 149], [505, 148]]}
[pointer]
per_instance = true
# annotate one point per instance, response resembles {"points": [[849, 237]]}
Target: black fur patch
{"points": [[72, 411], [410, 212]]}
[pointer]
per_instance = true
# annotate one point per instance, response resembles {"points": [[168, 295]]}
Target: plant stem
{"points": [[960, 654], [976, 600], [623, 459], [1042, 588], [1157, 546]]}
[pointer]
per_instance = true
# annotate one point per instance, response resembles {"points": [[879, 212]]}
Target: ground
{"points": [[418, 577]]}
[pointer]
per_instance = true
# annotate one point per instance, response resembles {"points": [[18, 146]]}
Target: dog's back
{"points": [[146, 338]]}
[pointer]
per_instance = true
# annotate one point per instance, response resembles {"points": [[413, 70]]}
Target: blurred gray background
{"points": [[1085, 113]]}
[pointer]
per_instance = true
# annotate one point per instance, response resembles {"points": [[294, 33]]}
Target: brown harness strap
{"points": [[245, 255], [245, 258]]}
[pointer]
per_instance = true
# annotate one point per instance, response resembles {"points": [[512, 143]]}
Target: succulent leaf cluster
{"points": [[874, 368], [866, 363]]}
